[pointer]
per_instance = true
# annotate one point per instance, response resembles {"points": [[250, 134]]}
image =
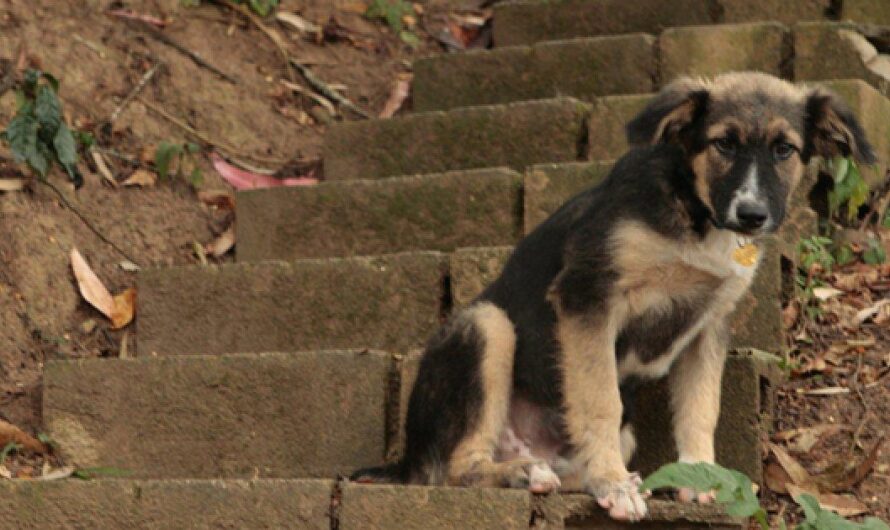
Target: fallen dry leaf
{"points": [[803, 439], [843, 505], [824, 293], [827, 391], [11, 433], [91, 288], [400, 91], [798, 474], [124, 308], [241, 179], [102, 167], [128, 266], [219, 199], [12, 184], [5, 472], [57, 474], [141, 177], [870, 312], [297, 22], [776, 478], [852, 474], [222, 244]]}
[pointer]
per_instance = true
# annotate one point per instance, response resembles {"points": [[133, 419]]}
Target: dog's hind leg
{"points": [[472, 462]]}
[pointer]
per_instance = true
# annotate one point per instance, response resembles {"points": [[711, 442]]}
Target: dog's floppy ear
{"points": [[832, 130], [671, 111]]}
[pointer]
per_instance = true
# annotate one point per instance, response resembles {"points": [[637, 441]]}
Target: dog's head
{"points": [[748, 137]]}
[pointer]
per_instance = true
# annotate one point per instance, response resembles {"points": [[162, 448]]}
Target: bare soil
{"points": [[99, 59]]}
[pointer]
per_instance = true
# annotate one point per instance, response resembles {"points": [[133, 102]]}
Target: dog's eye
{"points": [[783, 151], [726, 146]]}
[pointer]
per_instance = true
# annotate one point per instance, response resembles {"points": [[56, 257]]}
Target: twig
{"points": [[203, 137], [197, 59], [325, 90], [317, 84], [86, 221], [133, 93]]}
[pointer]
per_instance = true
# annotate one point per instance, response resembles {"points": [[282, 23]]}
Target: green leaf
{"points": [[192, 147], [873, 523], [48, 111], [844, 255], [810, 506], [874, 254], [391, 11], [66, 154], [263, 7], [164, 154], [409, 38], [196, 178], [31, 78], [841, 168]]}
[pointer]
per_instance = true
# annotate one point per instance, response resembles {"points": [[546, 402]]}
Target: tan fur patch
{"points": [[590, 387], [695, 395], [472, 459]]}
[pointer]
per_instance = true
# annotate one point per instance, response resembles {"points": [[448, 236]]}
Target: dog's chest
{"points": [[691, 287]]}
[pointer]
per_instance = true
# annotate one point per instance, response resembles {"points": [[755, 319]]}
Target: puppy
{"points": [[631, 279]]}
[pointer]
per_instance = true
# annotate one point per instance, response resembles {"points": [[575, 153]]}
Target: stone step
{"points": [[531, 21], [834, 50], [135, 504], [387, 302], [314, 504], [581, 68], [273, 415], [515, 135], [365, 217], [592, 67]]}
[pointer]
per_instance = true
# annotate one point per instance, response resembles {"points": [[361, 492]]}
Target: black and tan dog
{"points": [[632, 278]]}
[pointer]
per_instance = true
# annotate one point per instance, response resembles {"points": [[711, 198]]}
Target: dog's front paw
{"points": [[622, 498], [691, 495]]}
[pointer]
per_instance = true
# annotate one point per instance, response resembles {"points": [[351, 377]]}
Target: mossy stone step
{"points": [[272, 415], [515, 135], [581, 68]]}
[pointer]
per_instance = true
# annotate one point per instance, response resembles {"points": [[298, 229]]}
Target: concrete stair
{"points": [[258, 383]]}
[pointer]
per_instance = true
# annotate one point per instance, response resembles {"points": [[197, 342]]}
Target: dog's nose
{"points": [[751, 215]]}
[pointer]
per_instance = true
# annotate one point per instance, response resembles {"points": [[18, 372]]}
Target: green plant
{"points": [[393, 12], [874, 254], [184, 155], [736, 492], [850, 189], [38, 135], [815, 250]]}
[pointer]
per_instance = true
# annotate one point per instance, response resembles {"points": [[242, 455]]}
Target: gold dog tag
{"points": [[745, 255]]}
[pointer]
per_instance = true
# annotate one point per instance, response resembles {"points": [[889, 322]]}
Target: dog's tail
{"points": [[394, 473]]}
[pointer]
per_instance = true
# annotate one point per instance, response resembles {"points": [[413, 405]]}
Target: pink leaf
{"points": [[245, 180]]}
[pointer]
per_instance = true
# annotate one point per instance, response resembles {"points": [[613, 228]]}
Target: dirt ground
{"points": [[100, 58]]}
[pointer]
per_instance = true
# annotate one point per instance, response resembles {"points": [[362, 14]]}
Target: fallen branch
{"points": [[325, 90], [203, 137], [86, 221], [133, 93]]}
